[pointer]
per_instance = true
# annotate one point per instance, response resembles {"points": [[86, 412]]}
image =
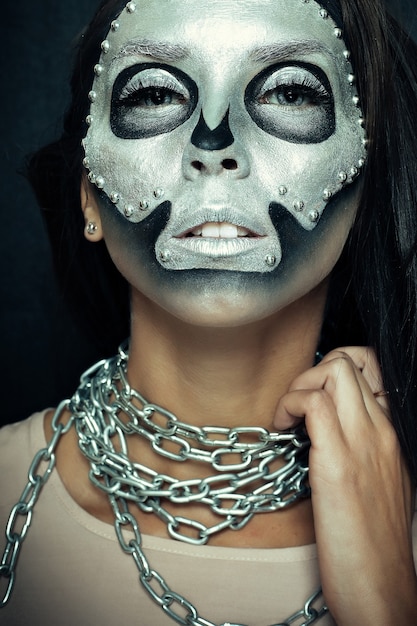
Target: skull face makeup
{"points": [[223, 138]]}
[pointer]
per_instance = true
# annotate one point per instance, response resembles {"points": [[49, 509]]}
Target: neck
{"points": [[211, 377], [222, 376]]}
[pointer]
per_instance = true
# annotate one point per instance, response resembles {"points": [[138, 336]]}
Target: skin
{"points": [[226, 358]]}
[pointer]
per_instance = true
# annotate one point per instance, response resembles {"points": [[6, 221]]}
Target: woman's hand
{"points": [[361, 493]]}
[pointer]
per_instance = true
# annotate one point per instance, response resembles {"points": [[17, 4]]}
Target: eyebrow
{"points": [[155, 49], [165, 51], [275, 52]]}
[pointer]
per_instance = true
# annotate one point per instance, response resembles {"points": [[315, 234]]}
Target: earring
{"points": [[91, 228]]}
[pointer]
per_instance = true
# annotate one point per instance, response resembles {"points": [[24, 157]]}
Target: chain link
{"points": [[113, 473], [20, 517]]}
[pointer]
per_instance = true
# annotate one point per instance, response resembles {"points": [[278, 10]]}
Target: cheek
{"points": [[228, 298]]}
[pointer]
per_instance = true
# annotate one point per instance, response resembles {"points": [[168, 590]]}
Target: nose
{"points": [[214, 152]]}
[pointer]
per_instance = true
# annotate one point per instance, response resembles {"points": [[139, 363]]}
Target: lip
{"points": [[219, 215], [215, 248], [257, 251]]}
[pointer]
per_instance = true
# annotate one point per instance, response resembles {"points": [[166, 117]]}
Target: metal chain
{"points": [[107, 408], [117, 464], [20, 517], [176, 606]]}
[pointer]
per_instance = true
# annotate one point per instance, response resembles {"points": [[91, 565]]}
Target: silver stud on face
{"points": [[165, 256], [86, 162], [298, 205], [89, 120], [270, 260]]}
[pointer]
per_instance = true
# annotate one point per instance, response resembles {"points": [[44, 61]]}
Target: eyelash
{"points": [[136, 91], [307, 86]]}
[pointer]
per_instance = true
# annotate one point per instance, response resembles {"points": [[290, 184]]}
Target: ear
{"points": [[92, 230]]}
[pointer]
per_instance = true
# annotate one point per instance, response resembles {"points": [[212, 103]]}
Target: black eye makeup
{"points": [[292, 101], [150, 99]]}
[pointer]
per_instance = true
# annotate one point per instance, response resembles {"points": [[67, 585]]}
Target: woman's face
{"points": [[224, 138]]}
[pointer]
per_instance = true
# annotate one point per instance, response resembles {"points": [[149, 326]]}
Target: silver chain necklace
{"points": [[104, 410]]}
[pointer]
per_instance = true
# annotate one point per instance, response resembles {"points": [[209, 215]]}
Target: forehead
{"points": [[256, 30]]}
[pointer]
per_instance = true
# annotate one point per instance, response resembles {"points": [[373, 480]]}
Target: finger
{"points": [[338, 375], [303, 397], [317, 408], [365, 360]]}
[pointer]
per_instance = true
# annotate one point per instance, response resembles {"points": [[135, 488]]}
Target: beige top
{"points": [[72, 571]]}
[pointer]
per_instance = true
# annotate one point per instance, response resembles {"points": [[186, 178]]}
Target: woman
{"points": [[250, 168]]}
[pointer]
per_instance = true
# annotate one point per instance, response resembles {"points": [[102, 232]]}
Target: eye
{"points": [[294, 95], [153, 87], [150, 99], [154, 97], [292, 102], [284, 96]]}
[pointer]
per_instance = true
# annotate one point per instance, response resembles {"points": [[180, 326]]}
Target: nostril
{"points": [[229, 164], [197, 165]]}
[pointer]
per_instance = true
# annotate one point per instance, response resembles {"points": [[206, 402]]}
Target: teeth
{"points": [[223, 230], [228, 231], [211, 229]]}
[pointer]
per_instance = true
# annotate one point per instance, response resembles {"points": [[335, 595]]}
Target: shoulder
{"points": [[19, 443], [22, 434]]}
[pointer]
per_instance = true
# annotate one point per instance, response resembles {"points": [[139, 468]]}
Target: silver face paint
{"points": [[223, 139], [293, 116]]}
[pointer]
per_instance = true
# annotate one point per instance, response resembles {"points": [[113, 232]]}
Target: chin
{"points": [[227, 305], [222, 315]]}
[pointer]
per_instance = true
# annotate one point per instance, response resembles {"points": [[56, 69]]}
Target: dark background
{"points": [[42, 354]]}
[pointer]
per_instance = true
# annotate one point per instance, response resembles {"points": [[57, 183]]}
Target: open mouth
{"points": [[219, 238], [218, 230]]}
